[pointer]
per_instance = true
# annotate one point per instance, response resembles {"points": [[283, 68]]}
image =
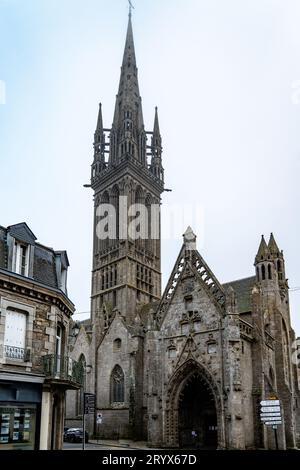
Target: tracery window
{"points": [[117, 385]]}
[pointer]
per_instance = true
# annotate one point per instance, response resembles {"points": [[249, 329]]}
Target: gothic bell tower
{"points": [[127, 174]]}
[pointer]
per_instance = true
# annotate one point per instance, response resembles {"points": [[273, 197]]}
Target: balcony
{"points": [[17, 354], [63, 370]]}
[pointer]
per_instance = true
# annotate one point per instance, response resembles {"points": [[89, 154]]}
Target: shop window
{"points": [[17, 427]]}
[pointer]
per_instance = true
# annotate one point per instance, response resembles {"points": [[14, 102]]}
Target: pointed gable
{"points": [[190, 262], [22, 233]]}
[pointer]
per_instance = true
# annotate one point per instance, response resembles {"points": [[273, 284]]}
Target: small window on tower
{"points": [[269, 271], [117, 344], [172, 353], [211, 348], [184, 328]]}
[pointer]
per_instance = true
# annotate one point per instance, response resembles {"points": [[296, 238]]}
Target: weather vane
{"points": [[130, 7]]}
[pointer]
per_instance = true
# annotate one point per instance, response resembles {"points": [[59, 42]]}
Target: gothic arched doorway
{"points": [[197, 416], [193, 405]]}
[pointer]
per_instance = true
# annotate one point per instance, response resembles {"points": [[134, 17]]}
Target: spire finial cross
{"points": [[131, 7]]}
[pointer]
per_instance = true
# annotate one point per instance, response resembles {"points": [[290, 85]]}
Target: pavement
{"points": [[107, 444]]}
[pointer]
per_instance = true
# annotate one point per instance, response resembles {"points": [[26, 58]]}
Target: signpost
{"points": [[89, 400], [270, 415]]}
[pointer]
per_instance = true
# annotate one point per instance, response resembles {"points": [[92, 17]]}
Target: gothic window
{"points": [[115, 202], [117, 385], [263, 272], [149, 239], [279, 269], [285, 353], [103, 244], [257, 273], [117, 344], [269, 271], [271, 377]]}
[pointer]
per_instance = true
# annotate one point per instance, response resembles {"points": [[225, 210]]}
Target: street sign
{"points": [[270, 418], [89, 403], [270, 403], [270, 414], [270, 409], [273, 423]]}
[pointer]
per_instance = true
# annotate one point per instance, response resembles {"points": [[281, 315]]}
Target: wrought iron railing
{"points": [[13, 352], [63, 368]]}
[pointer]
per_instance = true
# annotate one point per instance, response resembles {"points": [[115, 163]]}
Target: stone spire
{"points": [[99, 138], [156, 150], [273, 247], [128, 137], [263, 251], [99, 146]]}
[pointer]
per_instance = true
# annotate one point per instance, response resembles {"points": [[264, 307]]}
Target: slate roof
{"points": [[242, 288], [44, 265], [22, 233], [44, 269]]}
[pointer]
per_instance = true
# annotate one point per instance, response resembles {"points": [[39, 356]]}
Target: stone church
{"points": [[194, 363]]}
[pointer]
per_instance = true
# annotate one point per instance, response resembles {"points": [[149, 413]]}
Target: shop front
{"points": [[20, 413]]}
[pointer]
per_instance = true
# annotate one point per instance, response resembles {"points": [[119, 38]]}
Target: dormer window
{"points": [[21, 259]]}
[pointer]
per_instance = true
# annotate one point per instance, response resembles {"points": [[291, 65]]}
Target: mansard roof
{"points": [[44, 262]]}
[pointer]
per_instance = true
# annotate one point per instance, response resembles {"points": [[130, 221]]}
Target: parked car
{"points": [[75, 435]]}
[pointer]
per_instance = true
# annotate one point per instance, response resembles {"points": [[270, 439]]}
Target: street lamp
{"points": [[75, 330]]}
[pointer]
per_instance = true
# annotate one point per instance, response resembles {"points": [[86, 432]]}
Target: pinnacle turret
{"points": [[156, 149], [273, 247], [263, 251]]}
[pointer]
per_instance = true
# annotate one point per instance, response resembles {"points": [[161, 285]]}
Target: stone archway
{"points": [[193, 404]]}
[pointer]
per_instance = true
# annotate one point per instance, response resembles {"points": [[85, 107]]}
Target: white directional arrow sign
{"points": [[270, 403], [270, 409], [270, 418], [272, 423], [270, 412]]}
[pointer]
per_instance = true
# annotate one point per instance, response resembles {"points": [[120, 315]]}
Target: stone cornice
{"points": [[14, 283]]}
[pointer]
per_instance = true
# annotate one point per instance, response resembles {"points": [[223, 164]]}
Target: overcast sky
{"points": [[226, 78]]}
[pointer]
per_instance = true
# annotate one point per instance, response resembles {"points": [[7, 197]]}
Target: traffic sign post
{"points": [[270, 415], [89, 403], [89, 400]]}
